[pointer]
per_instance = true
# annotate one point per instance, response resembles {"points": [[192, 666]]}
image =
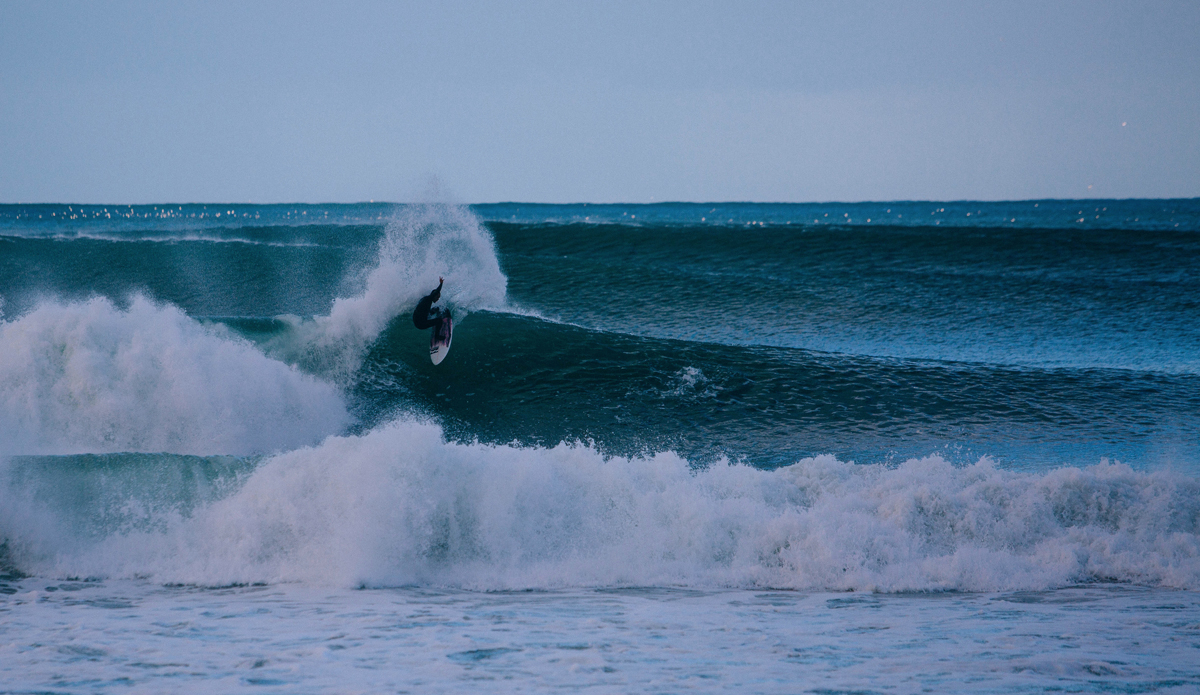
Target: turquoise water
{"points": [[974, 416]]}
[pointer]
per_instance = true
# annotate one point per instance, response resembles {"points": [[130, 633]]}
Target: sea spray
{"points": [[400, 505], [422, 242], [88, 377]]}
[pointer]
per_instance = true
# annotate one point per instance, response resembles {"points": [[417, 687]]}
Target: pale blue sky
{"points": [[134, 102]]}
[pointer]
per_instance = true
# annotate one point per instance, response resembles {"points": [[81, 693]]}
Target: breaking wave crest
{"points": [[90, 377], [400, 506], [422, 242]]}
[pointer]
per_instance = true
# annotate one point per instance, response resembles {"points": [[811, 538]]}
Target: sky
{"points": [[151, 102]]}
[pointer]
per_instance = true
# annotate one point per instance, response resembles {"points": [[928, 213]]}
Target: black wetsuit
{"points": [[425, 316]]}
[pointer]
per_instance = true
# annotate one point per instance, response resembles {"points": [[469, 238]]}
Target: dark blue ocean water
{"points": [[1039, 333], [866, 447]]}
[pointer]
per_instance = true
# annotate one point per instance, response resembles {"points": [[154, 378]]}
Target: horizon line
{"points": [[641, 203]]}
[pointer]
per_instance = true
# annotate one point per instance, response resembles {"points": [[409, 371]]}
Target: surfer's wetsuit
{"points": [[425, 316]]}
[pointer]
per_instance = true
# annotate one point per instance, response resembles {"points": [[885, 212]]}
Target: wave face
{"points": [[536, 382], [913, 395], [1072, 298]]}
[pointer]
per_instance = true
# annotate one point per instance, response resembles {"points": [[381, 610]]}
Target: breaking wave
{"points": [[421, 243], [91, 377], [400, 506]]}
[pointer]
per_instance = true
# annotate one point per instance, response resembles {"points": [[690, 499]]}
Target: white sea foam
{"points": [[90, 377], [422, 243], [401, 506], [691, 383]]}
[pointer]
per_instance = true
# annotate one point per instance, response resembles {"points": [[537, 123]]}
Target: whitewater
{"points": [[676, 447]]}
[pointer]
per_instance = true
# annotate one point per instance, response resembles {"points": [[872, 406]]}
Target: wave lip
{"points": [[401, 506]]}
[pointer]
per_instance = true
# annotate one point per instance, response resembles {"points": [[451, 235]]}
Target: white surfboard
{"points": [[439, 342]]}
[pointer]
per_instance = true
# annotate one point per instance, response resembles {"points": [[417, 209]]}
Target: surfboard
{"points": [[439, 342]]}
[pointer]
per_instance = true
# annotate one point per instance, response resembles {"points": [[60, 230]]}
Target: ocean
{"points": [[832, 448]]}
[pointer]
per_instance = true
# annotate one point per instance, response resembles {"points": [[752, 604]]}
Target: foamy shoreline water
{"points": [[74, 637], [401, 506]]}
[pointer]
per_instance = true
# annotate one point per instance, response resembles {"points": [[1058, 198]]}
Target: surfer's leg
{"points": [[432, 319]]}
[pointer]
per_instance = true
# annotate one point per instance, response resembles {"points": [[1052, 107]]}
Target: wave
{"points": [[402, 506], [90, 377], [518, 378], [421, 243], [1076, 299], [992, 294], [488, 498]]}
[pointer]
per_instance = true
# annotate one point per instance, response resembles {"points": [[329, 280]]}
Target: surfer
{"points": [[425, 316]]}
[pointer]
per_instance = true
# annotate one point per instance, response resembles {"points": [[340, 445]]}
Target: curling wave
{"points": [[421, 243]]}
